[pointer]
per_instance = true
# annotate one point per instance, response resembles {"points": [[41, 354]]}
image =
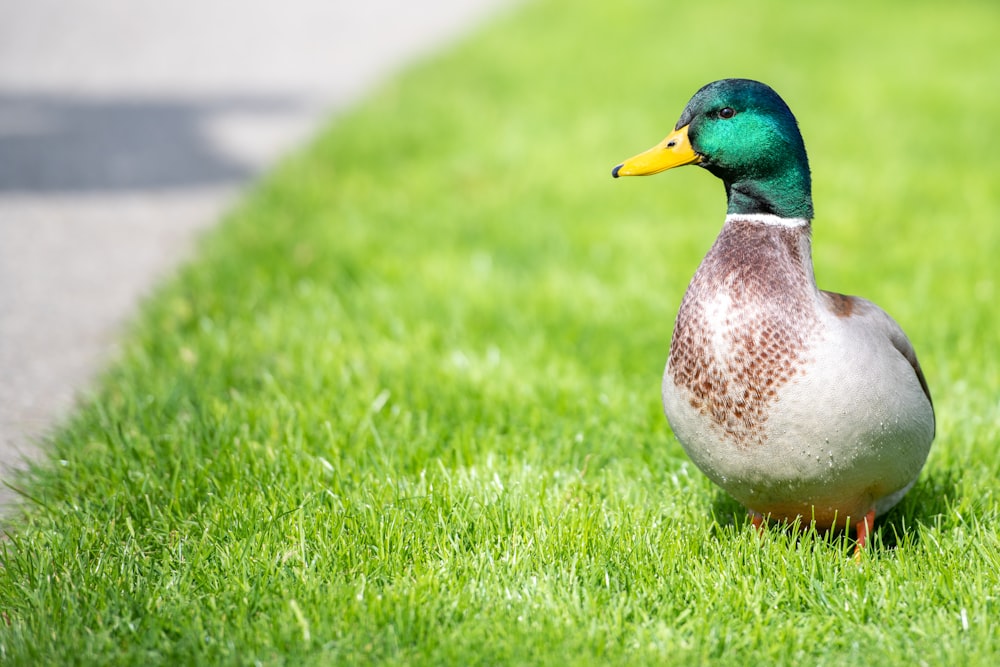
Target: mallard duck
{"points": [[800, 403]]}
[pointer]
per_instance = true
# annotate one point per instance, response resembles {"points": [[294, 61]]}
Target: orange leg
{"points": [[863, 527], [758, 522]]}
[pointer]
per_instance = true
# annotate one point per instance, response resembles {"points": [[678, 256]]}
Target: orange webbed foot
{"points": [[863, 528]]}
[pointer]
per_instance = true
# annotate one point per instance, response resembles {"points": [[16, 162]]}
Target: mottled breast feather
{"points": [[744, 326]]}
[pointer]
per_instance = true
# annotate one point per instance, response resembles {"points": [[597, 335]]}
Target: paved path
{"points": [[128, 125]]}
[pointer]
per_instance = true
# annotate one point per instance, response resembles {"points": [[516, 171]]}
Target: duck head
{"points": [[743, 132]]}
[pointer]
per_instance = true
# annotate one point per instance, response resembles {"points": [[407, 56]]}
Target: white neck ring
{"points": [[767, 219]]}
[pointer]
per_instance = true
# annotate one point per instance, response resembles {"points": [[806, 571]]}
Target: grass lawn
{"points": [[403, 407]]}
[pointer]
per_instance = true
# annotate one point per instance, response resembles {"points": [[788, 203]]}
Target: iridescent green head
{"points": [[744, 133]]}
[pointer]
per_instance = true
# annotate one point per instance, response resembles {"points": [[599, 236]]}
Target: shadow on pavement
{"points": [[52, 143]]}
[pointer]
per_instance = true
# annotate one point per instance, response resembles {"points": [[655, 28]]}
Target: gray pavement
{"points": [[126, 126]]}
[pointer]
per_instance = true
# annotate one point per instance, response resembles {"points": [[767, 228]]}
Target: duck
{"points": [[809, 407]]}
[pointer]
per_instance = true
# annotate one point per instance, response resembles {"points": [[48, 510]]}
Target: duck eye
{"points": [[727, 112]]}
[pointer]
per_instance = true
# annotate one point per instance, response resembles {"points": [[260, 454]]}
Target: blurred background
{"points": [[128, 125]]}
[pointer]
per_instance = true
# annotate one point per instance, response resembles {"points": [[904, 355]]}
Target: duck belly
{"points": [[847, 433]]}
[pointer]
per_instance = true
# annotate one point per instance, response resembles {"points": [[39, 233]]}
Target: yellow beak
{"points": [[674, 151]]}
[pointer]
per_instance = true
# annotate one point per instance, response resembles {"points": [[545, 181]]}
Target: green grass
{"points": [[403, 407]]}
